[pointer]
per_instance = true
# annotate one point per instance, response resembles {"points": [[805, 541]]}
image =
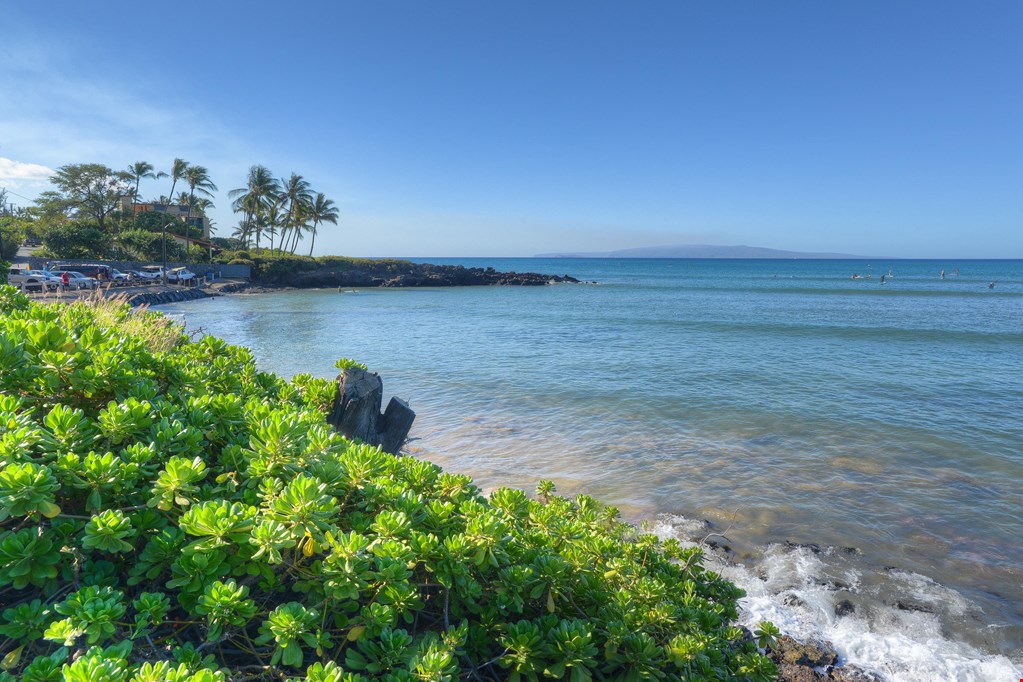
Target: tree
{"points": [[12, 233], [178, 170], [77, 239], [295, 193], [86, 189], [198, 179], [141, 244], [137, 171], [322, 210], [261, 188], [151, 221]]}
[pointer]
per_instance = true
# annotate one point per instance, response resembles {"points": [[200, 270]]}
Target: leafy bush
{"points": [[12, 233], [169, 512], [77, 239]]}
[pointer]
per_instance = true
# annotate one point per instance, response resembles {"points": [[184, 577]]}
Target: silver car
{"points": [[77, 280], [52, 281]]}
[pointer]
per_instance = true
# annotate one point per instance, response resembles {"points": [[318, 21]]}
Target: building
{"points": [[179, 211]]}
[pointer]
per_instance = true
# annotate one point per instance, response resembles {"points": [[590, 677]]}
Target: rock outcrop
{"points": [[418, 275], [813, 661], [168, 296]]}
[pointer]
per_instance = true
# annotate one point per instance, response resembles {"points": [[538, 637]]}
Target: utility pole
{"points": [[164, 222]]}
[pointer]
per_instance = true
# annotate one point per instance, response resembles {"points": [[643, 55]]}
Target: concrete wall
{"points": [[200, 269]]}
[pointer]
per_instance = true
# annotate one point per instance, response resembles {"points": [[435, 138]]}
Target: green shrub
{"points": [[169, 512]]}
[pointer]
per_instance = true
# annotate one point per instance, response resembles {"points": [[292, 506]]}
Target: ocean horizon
{"points": [[855, 442]]}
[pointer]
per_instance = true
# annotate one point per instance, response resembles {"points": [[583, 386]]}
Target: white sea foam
{"points": [[797, 590]]}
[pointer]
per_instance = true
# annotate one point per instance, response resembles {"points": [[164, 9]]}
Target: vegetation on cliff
{"points": [[96, 212], [170, 513]]}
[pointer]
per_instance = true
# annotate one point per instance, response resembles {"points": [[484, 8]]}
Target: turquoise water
{"points": [[780, 400]]}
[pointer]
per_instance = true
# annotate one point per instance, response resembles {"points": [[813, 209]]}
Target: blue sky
{"points": [[508, 129]]}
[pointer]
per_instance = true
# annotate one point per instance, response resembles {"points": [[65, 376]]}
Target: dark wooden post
{"points": [[356, 412]]}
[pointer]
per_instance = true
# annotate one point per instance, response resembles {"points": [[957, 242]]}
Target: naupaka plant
{"points": [[168, 512]]}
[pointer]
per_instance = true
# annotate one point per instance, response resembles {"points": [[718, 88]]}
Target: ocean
{"points": [[849, 445]]}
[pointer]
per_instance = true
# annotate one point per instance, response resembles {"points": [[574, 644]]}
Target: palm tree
{"points": [[178, 170], [198, 179], [204, 204], [322, 210], [295, 192], [135, 173], [300, 221], [242, 232], [253, 199], [273, 220]]}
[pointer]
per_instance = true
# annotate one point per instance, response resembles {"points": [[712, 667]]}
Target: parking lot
{"points": [[105, 291]]}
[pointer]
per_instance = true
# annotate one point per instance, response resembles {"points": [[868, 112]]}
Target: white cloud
{"points": [[11, 171]]}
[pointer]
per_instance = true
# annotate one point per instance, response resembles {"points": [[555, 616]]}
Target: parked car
{"points": [[16, 275], [180, 276], [93, 270], [77, 280], [53, 282], [151, 272], [30, 280], [119, 278]]}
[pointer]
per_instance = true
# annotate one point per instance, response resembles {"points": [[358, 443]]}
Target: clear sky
{"points": [[480, 128]]}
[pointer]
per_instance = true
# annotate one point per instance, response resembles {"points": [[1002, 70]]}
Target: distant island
{"points": [[699, 251]]}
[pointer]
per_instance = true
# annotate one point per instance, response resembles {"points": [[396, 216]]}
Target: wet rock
{"points": [[912, 605], [720, 546], [853, 673], [793, 600], [788, 672], [844, 608], [400, 274], [815, 654], [812, 546], [831, 583], [161, 297]]}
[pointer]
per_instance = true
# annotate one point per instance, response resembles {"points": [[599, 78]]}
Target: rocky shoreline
{"points": [[385, 275], [410, 275], [169, 296], [813, 661]]}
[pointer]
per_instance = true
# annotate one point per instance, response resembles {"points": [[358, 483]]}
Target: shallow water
{"points": [[783, 400]]}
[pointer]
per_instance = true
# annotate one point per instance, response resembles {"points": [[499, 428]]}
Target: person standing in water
{"points": [[943, 273]]}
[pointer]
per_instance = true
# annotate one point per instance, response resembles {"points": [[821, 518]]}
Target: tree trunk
{"points": [[356, 412]]}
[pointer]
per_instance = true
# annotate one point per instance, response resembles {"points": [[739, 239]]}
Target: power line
{"points": [[16, 194]]}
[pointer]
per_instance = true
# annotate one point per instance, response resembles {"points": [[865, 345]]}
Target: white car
{"points": [[31, 280], [119, 278], [151, 272], [180, 275]]}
